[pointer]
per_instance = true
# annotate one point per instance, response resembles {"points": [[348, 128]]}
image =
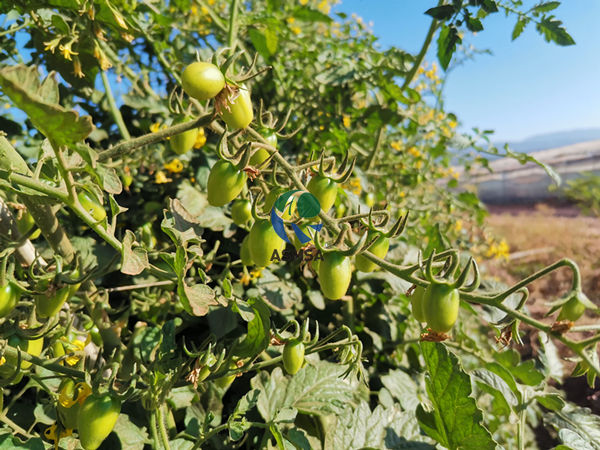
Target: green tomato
{"points": [[91, 206], [271, 198], [9, 297], [183, 142], [202, 80], [370, 199], [225, 182], [416, 302], [293, 356], [226, 380], [245, 252], [573, 309], [97, 418], [340, 210], [25, 223], [379, 248], [440, 306], [259, 157], [50, 303], [324, 189], [32, 347], [263, 241], [335, 273], [238, 114], [241, 211]]}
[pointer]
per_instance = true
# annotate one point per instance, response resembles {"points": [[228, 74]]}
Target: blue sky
{"points": [[527, 87]]}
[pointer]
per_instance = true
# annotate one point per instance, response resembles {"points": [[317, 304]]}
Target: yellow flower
{"points": [[303, 2], [211, 2], [419, 164], [402, 194], [105, 64], [200, 139], [458, 225], [161, 178], [79, 346], [174, 166], [452, 124], [257, 273], [396, 145], [321, 127], [290, 20], [77, 68], [354, 185], [155, 127], [51, 45], [246, 279], [194, 10], [296, 30], [66, 51], [2, 360], [7, 106], [324, 7], [346, 120], [50, 433]]}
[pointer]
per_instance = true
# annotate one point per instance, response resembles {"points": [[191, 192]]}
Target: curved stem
{"points": [[421, 55], [375, 150], [161, 428]]}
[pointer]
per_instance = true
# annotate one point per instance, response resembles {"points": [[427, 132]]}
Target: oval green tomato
{"points": [[241, 211], [416, 302], [324, 189], [340, 210], [9, 297], [572, 310], [379, 248], [91, 206], [238, 113], [271, 198], [335, 273], [49, 303], [226, 380], [183, 142], [25, 223], [202, 80], [259, 157], [97, 417], [225, 182], [293, 356], [440, 306], [245, 252], [263, 241], [31, 346], [370, 199]]}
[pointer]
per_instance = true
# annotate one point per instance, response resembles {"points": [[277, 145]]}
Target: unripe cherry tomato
{"points": [[370, 199], [340, 210], [225, 182], [262, 154], [335, 273], [97, 418], [238, 113], [91, 206], [50, 303], [25, 223], [324, 189], [271, 198], [440, 306], [67, 406], [245, 252], [33, 347], [183, 142], [293, 356], [202, 80], [379, 248], [226, 380], [416, 302], [9, 297], [263, 241], [241, 211], [572, 310]]}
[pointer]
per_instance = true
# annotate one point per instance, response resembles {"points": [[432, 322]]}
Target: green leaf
{"points": [[311, 15], [447, 41], [545, 7], [551, 401], [316, 389], [528, 374], [40, 102], [196, 299], [519, 27], [259, 331], [8, 441], [489, 6], [403, 388], [443, 12], [583, 425], [492, 383], [180, 225], [456, 421], [553, 31], [145, 344], [383, 428], [474, 24], [134, 257], [237, 422], [129, 435], [265, 42]]}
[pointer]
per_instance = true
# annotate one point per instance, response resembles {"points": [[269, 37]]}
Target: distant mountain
{"points": [[553, 140]]}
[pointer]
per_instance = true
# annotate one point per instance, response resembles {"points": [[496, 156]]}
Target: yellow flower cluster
{"points": [[346, 120], [498, 250], [353, 185], [396, 145], [161, 178], [174, 166], [413, 151], [200, 139]]}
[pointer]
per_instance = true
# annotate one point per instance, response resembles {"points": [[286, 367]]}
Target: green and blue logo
{"points": [[290, 206]]}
